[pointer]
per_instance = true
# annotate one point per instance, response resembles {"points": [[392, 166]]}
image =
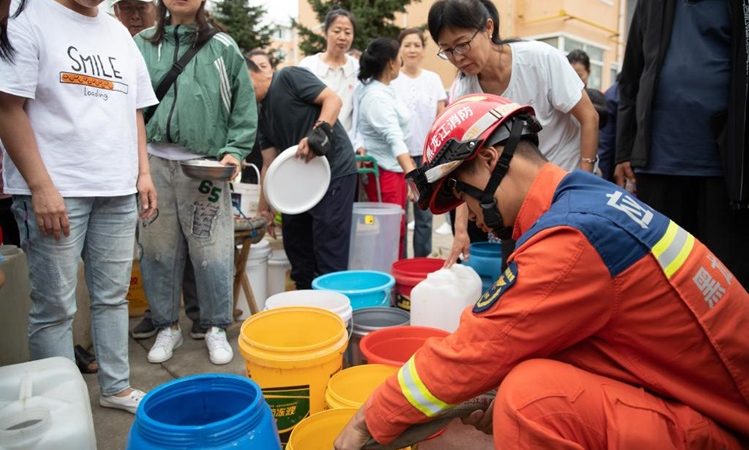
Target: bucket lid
{"points": [[320, 430], [292, 335], [353, 386], [293, 186], [328, 300]]}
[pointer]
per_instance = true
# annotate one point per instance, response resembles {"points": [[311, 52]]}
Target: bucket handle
{"points": [[253, 167]]}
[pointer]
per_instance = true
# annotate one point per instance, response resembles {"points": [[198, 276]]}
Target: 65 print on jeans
{"points": [[195, 222]]}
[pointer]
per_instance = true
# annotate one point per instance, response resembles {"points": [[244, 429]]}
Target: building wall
{"points": [[597, 24]]}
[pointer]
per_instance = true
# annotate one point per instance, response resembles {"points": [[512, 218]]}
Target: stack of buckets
{"points": [[294, 352]]}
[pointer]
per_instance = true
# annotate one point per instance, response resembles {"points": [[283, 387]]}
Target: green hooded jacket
{"points": [[210, 109]]}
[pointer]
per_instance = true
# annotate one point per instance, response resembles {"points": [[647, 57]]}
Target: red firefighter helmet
{"points": [[467, 125]]}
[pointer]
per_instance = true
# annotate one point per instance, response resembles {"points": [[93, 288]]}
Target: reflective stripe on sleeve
{"points": [[416, 391], [673, 248]]}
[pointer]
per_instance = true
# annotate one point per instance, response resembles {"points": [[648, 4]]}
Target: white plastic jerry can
{"points": [[44, 404], [441, 297]]}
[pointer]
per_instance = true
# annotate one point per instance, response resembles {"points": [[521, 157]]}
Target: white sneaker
{"points": [[444, 229], [219, 350], [411, 225], [127, 403], [167, 341]]}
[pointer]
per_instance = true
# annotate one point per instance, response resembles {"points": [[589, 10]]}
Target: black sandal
{"points": [[85, 361]]}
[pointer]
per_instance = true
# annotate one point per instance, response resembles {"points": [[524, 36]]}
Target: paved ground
{"points": [[112, 426]]}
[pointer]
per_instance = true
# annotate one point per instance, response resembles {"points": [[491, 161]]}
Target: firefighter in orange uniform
{"points": [[612, 327]]}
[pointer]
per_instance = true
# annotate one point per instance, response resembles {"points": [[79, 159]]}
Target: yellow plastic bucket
{"points": [[351, 387], [318, 432], [292, 353]]}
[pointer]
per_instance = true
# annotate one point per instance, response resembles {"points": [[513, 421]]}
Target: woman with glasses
{"points": [[382, 124], [528, 72]]}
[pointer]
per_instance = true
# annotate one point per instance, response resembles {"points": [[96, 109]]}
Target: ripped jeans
{"points": [[195, 220]]}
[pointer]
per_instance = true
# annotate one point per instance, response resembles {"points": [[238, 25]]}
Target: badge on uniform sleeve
{"points": [[495, 292]]}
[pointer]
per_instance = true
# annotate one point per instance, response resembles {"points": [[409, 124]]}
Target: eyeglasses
{"points": [[460, 49]]}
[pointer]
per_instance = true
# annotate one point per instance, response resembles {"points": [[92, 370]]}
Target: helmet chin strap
{"points": [[489, 209]]}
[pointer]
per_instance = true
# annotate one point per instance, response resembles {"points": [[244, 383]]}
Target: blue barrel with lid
{"points": [[208, 411]]}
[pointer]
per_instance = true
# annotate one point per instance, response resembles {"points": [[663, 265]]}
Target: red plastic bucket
{"points": [[394, 345], [410, 272]]}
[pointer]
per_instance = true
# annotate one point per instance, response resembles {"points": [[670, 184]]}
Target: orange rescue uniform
{"points": [[611, 328]]}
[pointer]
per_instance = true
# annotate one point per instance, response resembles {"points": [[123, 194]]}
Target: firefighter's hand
{"points": [[355, 434], [481, 419]]}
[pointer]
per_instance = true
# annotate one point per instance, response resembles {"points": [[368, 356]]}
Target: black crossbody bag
{"points": [[168, 80]]}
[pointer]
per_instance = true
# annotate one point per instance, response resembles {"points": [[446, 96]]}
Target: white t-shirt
{"points": [[84, 79], [543, 78], [420, 95], [342, 80]]}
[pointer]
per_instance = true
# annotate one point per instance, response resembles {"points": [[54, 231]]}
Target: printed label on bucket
{"points": [[403, 302], [369, 220], [289, 406]]}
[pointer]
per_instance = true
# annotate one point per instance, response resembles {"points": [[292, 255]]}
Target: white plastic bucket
{"points": [[44, 404], [279, 270], [257, 272], [375, 236], [332, 301]]}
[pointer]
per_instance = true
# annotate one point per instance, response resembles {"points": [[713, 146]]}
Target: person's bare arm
{"points": [[18, 139], [586, 114]]}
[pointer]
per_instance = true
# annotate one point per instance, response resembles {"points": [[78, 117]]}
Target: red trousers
{"points": [[394, 190], [546, 404]]}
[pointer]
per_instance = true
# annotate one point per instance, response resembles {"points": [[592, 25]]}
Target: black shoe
{"points": [[144, 329], [85, 361], [197, 332]]}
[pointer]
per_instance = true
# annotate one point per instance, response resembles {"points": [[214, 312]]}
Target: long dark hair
{"points": [[7, 52], [375, 58], [467, 14], [164, 18]]}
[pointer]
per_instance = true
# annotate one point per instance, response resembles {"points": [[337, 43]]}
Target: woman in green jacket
{"points": [[209, 111]]}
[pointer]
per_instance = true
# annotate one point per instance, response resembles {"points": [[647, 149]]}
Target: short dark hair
{"points": [[468, 14], [409, 31], [580, 57], [335, 13], [375, 58]]}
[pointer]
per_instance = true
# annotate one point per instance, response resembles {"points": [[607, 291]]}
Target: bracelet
{"points": [[590, 160]]}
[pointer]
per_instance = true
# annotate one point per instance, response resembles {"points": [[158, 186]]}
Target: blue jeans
{"points": [[195, 220], [102, 231], [422, 226]]}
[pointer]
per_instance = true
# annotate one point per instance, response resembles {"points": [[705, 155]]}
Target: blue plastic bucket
{"points": [[216, 411], [365, 288], [486, 260]]}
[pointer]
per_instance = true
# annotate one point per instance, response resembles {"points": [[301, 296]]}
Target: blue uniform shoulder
{"points": [[621, 228]]}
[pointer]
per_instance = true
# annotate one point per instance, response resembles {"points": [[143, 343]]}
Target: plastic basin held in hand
{"points": [[364, 288]]}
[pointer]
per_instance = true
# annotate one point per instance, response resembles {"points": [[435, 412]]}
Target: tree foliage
{"points": [[243, 22], [374, 18]]}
